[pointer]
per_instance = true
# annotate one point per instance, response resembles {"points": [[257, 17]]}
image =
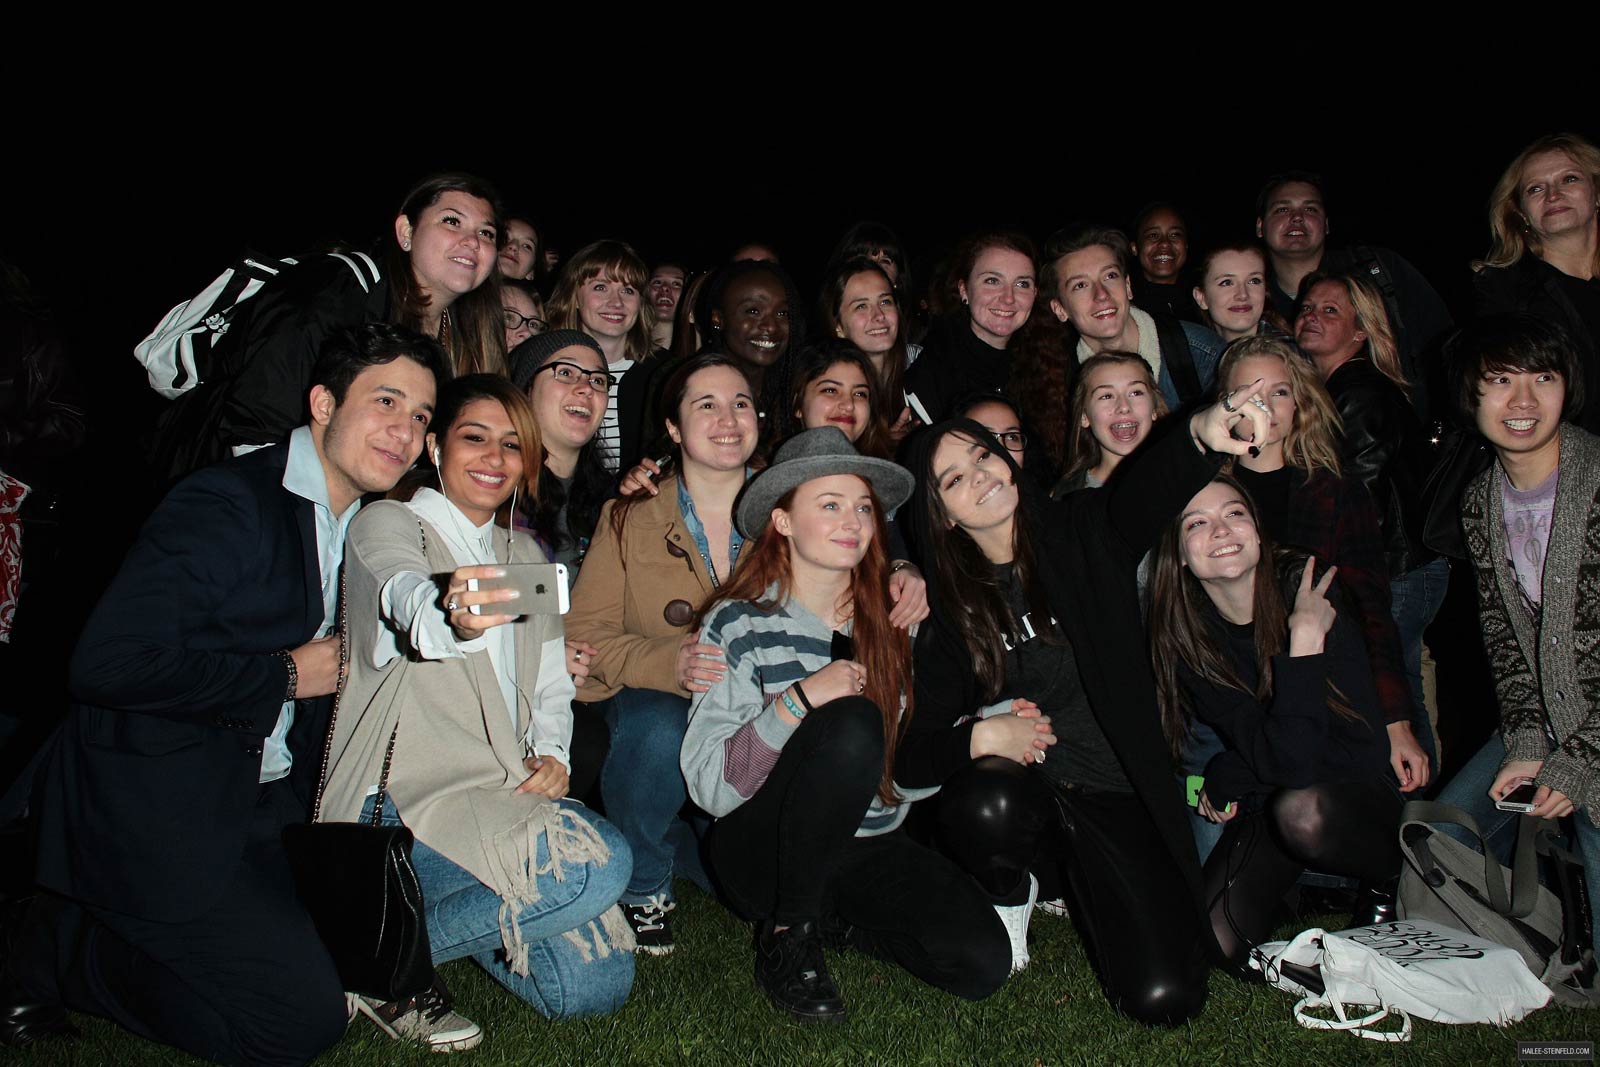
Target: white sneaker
{"points": [[1015, 917], [1056, 907], [426, 1018]]}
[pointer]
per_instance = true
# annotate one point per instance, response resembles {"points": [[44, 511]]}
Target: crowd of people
{"points": [[1088, 578]]}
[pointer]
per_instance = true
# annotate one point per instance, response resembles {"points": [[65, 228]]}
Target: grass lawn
{"points": [[700, 1006]]}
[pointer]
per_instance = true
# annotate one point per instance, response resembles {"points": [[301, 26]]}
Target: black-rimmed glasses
{"points": [[570, 374], [515, 320], [1014, 440]]}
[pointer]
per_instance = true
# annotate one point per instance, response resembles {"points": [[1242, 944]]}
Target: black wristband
{"points": [[801, 693]]}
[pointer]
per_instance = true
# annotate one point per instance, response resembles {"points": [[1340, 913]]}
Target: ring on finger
{"points": [[1227, 403], [451, 605]]}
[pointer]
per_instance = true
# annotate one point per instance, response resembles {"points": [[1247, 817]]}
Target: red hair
{"points": [[881, 648]]}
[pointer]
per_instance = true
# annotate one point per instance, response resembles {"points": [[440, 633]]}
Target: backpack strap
{"points": [[1176, 356]]}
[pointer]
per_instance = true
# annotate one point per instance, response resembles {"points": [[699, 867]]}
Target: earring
{"points": [[406, 245]]}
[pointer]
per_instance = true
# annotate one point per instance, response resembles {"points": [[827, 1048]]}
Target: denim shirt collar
{"points": [[697, 530]]}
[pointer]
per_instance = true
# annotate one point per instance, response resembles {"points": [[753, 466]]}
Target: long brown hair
{"points": [[830, 320], [884, 650], [961, 579], [812, 363], [1181, 636], [473, 332]]}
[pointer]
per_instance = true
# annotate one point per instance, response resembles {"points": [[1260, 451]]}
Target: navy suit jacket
{"points": [[146, 801]]}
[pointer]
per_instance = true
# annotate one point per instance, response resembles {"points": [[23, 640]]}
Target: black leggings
{"points": [[790, 854], [1129, 898], [1346, 828]]}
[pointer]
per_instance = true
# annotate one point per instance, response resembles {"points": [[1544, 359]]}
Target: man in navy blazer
{"points": [[201, 690]]}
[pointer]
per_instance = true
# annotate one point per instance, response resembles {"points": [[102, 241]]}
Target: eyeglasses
{"points": [[1014, 441], [516, 321], [570, 374]]}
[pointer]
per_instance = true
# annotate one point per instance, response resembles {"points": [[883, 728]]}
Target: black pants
{"points": [[790, 854], [1126, 893], [1346, 828], [246, 982]]}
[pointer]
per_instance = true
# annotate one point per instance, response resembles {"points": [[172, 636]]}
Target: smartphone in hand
{"points": [[541, 590], [1519, 799]]}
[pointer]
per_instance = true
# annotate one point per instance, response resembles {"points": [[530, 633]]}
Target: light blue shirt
{"points": [[304, 477], [697, 530]]}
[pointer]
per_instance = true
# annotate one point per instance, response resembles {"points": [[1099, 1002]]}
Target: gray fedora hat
{"points": [[816, 454]]}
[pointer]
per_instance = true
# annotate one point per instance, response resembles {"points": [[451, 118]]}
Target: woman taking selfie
{"points": [[793, 747], [457, 723]]}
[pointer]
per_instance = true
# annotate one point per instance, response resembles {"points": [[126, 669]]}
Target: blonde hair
{"points": [[1372, 318], [1510, 235], [1313, 438]]}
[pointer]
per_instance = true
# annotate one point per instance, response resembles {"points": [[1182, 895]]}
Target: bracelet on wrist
{"points": [[801, 693], [294, 673], [794, 709]]}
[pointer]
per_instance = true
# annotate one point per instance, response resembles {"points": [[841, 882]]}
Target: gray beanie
{"points": [[532, 354]]}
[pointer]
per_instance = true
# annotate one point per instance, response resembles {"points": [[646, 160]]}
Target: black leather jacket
{"points": [[1385, 448]]}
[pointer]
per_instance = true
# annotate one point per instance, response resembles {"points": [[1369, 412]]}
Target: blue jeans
{"points": [[1469, 791], [464, 920], [644, 788], [1414, 599]]}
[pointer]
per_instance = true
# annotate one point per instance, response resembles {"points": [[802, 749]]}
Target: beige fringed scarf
{"points": [[457, 759]]}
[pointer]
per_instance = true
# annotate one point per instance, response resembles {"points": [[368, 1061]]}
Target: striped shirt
{"points": [[735, 734]]}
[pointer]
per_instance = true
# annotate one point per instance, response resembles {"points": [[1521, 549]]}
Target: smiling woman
{"points": [[436, 278], [655, 557], [458, 725]]}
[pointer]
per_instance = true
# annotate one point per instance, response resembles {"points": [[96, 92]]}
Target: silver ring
{"points": [[1227, 403], [577, 654], [861, 685], [451, 605]]}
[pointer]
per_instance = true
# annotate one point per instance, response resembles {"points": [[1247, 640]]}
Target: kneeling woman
{"points": [[1035, 610], [793, 748], [457, 724], [1249, 643]]}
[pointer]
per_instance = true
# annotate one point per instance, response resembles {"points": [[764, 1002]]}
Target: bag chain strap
{"points": [[333, 715]]}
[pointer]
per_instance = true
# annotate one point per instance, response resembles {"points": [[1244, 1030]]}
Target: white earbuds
{"points": [[435, 455]]}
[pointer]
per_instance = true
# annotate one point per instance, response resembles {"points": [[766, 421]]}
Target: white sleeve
{"points": [[409, 603], [550, 723]]}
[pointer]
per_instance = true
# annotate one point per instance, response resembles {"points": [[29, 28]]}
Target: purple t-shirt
{"points": [[1527, 518]]}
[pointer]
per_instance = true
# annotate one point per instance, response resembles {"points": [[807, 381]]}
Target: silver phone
{"points": [[541, 590]]}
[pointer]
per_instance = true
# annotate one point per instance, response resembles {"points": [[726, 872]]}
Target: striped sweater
{"points": [[735, 734]]}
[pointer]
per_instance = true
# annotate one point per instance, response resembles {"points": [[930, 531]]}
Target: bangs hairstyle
{"points": [[1312, 440], [864, 239], [1076, 238], [1372, 318], [1509, 233], [1181, 634], [961, 580], [474, 337], [1085, 451], [1512, 343], [830, 317], [603, 259], [813, 363], [884, 650]]}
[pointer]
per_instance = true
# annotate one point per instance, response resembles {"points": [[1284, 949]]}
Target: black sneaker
{"points": [[652, 927], [791, 971]]}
